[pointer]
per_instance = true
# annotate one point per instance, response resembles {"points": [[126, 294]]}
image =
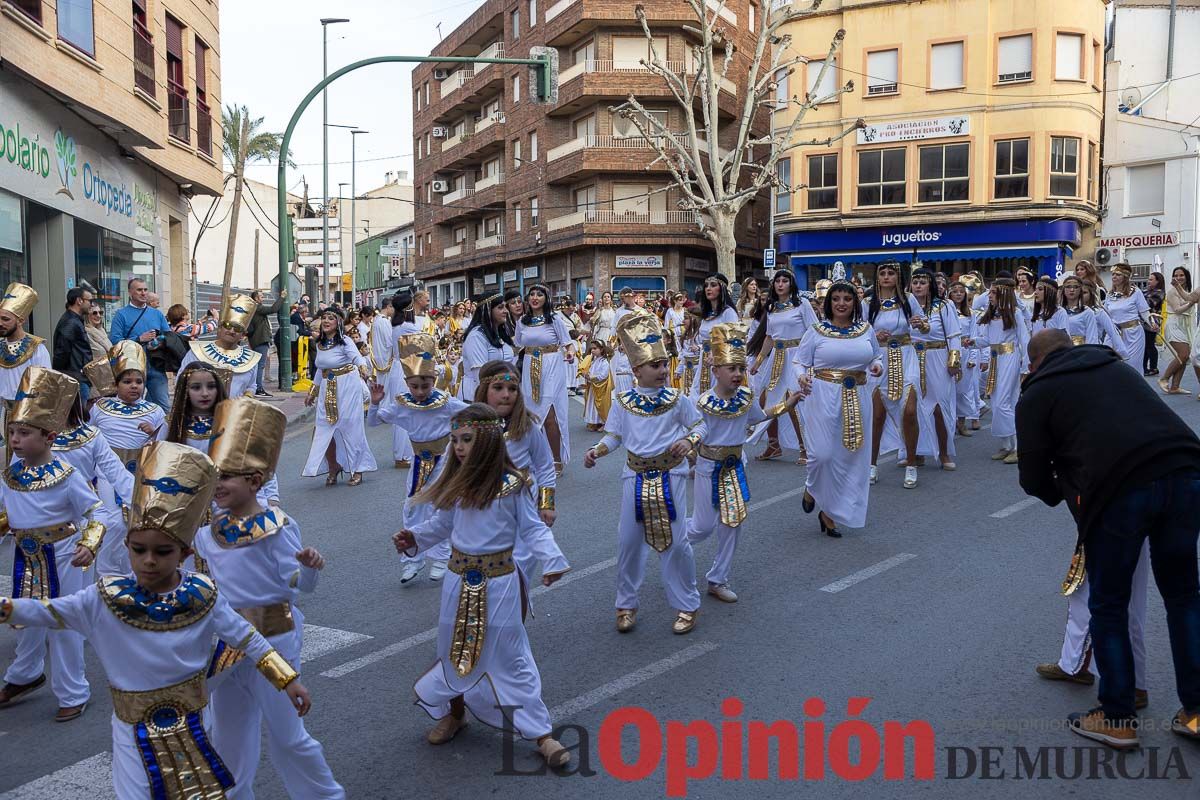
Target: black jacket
{"points": [[72, 350], [1089, 427], [260, 328]]}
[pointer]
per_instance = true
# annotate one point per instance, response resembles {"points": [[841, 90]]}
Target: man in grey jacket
{"points": [[259, 336]]}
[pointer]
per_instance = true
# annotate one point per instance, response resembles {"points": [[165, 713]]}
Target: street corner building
{"points": [[981, 143], [105, 134], [510, 191]]}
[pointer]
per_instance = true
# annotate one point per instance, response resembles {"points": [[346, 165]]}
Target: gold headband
{"points": [[485, 424], [1124, 269], [1008, 282], [503, 377]]}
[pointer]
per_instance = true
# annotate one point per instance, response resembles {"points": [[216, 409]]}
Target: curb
{"points": [[304, 415]]}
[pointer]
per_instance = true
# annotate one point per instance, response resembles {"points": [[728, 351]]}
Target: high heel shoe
{"points": [[333, 478], [808, 503], [828, 530], [355, 479]]}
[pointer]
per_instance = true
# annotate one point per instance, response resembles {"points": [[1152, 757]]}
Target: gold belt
{"points": [[921, 347], [129, 456], [425, 455], [1003, 349], [777, 360], [654, 505], [895, 365], [689, 372], [717, 453], [338, 372], [134, 707], [730, 493], [535, 369], [331, 390], [270, 620], [434, 448], [470, 621], [664, 462], [35, 567], [44, 535], [1078, 340], [1133, 323], [852, 419]]}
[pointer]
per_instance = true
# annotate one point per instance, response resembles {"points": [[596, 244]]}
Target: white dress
{"points": [[839, 478], [939, 390], [1059, 320], [786, 325], [477, 351], [1082, 326], [384, 352], [504, 672], [1109, 334], [550, 392], [604, 324], [900, 371], [598, 370], [967, 388], [15, 358], [1127, 313], [1004, 371], [702, 381], [340, 398]]}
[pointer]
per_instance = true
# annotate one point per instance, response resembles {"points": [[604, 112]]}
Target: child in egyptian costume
{"points": [[153, 632], [254, 554], [598, 388], [659, 428], [227, 351], [18, 350], [722, 491], [484, 505], [424, 413], [49, 510]]}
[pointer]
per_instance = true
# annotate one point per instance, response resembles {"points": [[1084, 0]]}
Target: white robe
{"points": [[788, 324], [1123, 311], [477, 351], [347, 430], [552, 391], [941, 389], [1009, 367], [700, 383]]}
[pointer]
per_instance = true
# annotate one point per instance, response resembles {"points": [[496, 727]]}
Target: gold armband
{"points": [[92, 536], [694, 438], [777, 410], [276, 670], [954, 360], [545, 499], [5, 528], [601, 450], [6, 609]]}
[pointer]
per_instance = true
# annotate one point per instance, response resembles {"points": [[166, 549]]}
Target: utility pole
{"points": [[325, 23], [354, 134], [258, 285]]}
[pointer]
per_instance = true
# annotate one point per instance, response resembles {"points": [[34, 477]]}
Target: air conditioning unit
{"points": [[499, 117], [441, 187], [439, 132], [441, 74], [1107, 256]]}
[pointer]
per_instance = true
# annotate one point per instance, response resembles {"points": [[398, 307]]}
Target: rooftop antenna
{"points": [[439, 30]]}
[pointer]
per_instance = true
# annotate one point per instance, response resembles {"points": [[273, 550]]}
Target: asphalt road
{"points": [[937, 611]]}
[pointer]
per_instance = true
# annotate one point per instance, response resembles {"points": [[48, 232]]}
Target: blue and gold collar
{"points": [[118, 408], [735, 406], [229, 531], [199, 427], [14, 354], [829, 330], [188, 603], [74, 439], [33, 479], [648, 405], [436, 399]]}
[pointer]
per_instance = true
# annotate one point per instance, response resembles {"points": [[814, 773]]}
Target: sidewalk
{"points": [[290, 403]]}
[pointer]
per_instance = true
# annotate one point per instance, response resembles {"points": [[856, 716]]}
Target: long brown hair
{"points": [[475, 482], [181, 409], [1005, 306], [520, 421]]}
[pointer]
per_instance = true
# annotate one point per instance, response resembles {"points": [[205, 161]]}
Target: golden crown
{"points": [[172, 490], [237, 312], [417, 355], [19, 300], [642, 337], [44, 399], [247, 437], [728, 344]]}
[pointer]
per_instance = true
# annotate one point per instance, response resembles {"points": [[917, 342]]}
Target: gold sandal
{"points": [[773, 451], [355, 479], [333, 478]]}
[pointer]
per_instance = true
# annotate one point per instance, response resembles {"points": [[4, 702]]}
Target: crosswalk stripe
{"points": [[1008, 511], [319, 641], [89, 779], [869, 572]]}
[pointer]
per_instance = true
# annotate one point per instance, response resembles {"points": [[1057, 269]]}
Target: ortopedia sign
{"points": [[1141, 240], [908, 130]]}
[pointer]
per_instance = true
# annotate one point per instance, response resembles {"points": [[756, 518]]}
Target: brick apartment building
{"points": [[510, 191]]}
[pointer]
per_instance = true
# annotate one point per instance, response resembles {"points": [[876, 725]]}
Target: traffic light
{"points": [[543, 78]]}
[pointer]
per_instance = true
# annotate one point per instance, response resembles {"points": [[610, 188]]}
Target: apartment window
{"points": [[492, 226], [491, 109], [490, 168], [515, 18], [516, 217], [1092, 164], [585, 199], [1097, 64], [32, 9], [584, 126], [417, 99], [533, 146], [532, 13], [944, 173], [783, 192], [203, 113], [143, 49], [516, 150], [533, 212], [1145, 189], [178, 119], [76, 26], [428, 143], [418, 148], [822, 182], [1064, 166], [585, 54], [752, 16], [883, 72], [946, 65], [828, 86], [427, 93], [460, 234], [429, 242], [1012, 169], [420, 247], [640, 199], [429, 193], [782, 94], [629, 52], [881, 177], [516, 89], [626, 128], [1015, 58], [1068, 57]]}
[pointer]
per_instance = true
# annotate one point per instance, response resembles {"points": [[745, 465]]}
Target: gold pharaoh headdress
{"points": [[641, 335], [247, 437], [44, 399], [100, 375], [19, 300], [237, 312], [728, 343], [172, 490], [822, 289], [972, 283], [126, 355], [416, 355]]}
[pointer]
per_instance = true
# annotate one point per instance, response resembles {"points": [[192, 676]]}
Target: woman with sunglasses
{"points": [[714, 306], [547, 359], [96, 332], [894, 399]]}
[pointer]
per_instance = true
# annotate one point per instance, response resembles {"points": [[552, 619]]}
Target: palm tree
{"points": [[244, 144]]}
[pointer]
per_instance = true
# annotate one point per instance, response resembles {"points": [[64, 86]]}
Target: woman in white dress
{"points": [[548, 358], [1128, 309], [487, 340], [1046, 312], [783, 319], [1002, 330], [834, 360], [604, 322], [1107, 331], [937, 339], [747, 304], [340, 439], [1026, 280], [894, 403], [715, 306], [1081, 320], [1179, 330]]}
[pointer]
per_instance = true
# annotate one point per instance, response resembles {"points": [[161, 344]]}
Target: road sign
{"points": [[389, 249], [769, 258]]}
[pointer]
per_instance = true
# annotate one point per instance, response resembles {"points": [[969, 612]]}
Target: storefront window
{"points": [[106, 261], [12, 241]]}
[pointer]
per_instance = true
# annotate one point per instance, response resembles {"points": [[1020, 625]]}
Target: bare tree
{"points": [[713, 183]]}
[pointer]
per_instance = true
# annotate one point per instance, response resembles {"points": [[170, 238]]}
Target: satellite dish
{"points": [[1131, 97]]}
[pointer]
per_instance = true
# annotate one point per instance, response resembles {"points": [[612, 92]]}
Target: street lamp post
{"points": [[325, 23], [342, 240], [354, 134]]}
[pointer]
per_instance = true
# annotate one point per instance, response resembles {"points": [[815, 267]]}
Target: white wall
{"points": [[1140, 45], [258, 213]]}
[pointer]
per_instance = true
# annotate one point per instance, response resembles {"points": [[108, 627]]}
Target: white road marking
{"points": [[869, 572], [89, 779], [612, 688], [319, 641], [776, 499], [1015, 507]]}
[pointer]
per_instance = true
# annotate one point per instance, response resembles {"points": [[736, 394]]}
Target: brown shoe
{"points": [[1011, 458], [12, 691], [685, 622], [1053, 672], [1186, 724], [1141, 699], [446, 729], [555, 754], [1099, 728], [68, 713], [626, 619]]}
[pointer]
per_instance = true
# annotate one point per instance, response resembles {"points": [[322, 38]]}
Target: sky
{"points": [[271, 58]]}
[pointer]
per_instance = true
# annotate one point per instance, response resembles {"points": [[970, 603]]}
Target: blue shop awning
{"points": [[988, 252], [849, 259]]}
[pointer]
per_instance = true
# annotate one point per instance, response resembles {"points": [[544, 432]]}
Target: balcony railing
{"points": [[605, 66], [603, 216], [178, 117], [143, 60], [456, 81], [494, 50], [495, 240], [489, 121], [457, 194], [450, 252], [455, 140], [558, 8], [489, 181], [203, 128], [599, 141]]}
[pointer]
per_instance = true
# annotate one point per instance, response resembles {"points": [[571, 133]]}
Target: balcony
{"points": [[143, 60], [203, 129], [607, 67], [456, 81], [601, 216], [583, 83], [558, 8], [598, 141], [489, 121], [178, 114], [451, 252], [495, 240], [456, 195], [494, 50], [489, 181], [451, 142]]}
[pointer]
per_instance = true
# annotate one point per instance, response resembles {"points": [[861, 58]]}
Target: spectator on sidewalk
{"points": [[142, 323], [1096, 435], [180, 320], [97, 336], [72, 350], [259, 336]]}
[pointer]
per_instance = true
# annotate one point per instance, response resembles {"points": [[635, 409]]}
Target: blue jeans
{"points": [[1168, 512], [156, 389], [263, 350]]}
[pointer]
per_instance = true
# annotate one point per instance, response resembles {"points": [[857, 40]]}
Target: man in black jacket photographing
{"points": [[1092, 432]]}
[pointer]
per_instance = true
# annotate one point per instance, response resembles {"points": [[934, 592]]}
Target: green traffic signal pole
{"points": [[544, 64]]}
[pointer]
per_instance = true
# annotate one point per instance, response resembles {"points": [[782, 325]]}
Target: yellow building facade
{"points": [[979, 146]]}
